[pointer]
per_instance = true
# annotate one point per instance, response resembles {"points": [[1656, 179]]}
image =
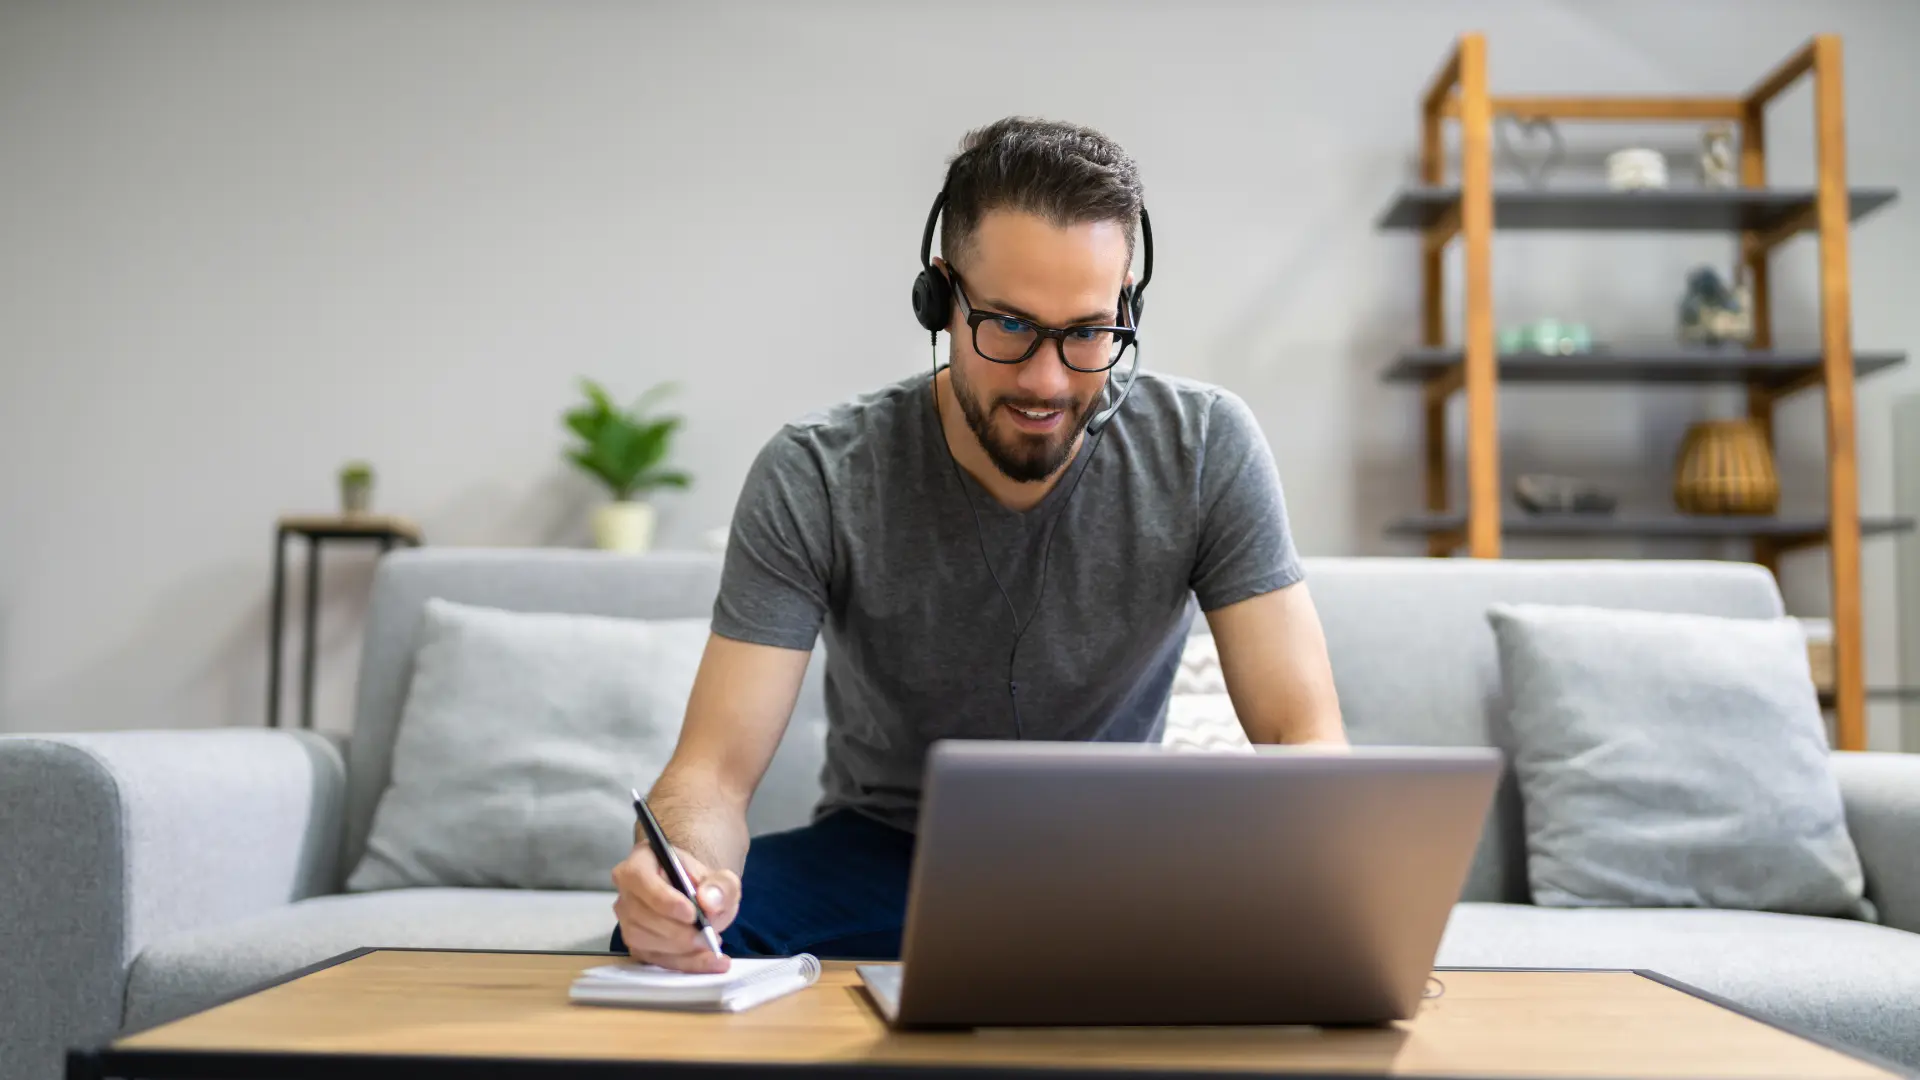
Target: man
{"points": [[983, 565]]}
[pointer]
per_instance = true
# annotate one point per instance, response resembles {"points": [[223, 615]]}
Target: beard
{"points": [[1021, 456]]}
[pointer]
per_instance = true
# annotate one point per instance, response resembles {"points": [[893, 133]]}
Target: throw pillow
{"points": [[1200, 715], [1669, 760], [520, 741]]}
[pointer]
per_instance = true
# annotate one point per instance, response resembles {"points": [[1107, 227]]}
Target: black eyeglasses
{"points": [[1009, 339]]}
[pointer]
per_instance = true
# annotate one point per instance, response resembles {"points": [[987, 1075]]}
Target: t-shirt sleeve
{"points": [[1245, 547], [774, 580]]}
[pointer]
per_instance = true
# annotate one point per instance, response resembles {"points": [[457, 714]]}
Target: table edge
{"points": [[103, 1060]]}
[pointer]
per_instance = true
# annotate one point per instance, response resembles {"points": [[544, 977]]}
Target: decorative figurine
{"points": [[1538, 493], [1717, 164], [1534, 160], [1713, 314]]}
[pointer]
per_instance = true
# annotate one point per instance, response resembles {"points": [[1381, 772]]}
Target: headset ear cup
{"points": [[932, 299]]}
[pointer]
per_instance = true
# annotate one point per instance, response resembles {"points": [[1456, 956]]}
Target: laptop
{"points": [[1113, 883]]}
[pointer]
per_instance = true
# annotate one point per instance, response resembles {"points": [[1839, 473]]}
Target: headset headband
{"points": [[1146, 249]]}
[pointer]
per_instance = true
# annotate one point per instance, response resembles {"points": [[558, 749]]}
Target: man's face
{"points": [[1027, 415]]}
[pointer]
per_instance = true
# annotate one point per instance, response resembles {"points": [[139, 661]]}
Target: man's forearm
{"points": [[699, 817], [1308, 727]]}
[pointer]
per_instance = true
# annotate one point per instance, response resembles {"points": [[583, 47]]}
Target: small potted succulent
{"points": [[356, 487], [626, 450]]}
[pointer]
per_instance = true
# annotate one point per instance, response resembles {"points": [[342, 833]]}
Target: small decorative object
{"points": [[1538, 493], [1544, 336], [356, 487], [1576, 339], [1717, 166], [1565, 339], [1538, 154], [624, 449], [1713, 314], [1547, 335], [1635, 169], [1726, 467]]}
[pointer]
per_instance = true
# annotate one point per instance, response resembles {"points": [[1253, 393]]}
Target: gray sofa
{"points": [[146, 874]]}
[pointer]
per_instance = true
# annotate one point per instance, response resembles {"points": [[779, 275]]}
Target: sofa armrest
{"points": [[1882, 796], [109, 841]]}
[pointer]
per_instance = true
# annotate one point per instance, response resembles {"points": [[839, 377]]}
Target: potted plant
{"points": [[356, 487], [625, 449]]}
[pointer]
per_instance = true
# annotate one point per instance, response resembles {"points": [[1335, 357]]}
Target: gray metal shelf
{"points": [[1674, 210], [1678, 364], [1790, 527]]}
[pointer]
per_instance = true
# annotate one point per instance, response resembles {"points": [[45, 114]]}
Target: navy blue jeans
{"points": [[836, 888]]}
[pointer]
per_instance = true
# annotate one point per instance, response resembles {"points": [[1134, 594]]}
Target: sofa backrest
{"points": [[1413, 656], [1415, 662]]}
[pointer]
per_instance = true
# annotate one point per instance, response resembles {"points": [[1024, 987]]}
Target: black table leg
{"points": [[313, 621], [274, 631], [83, 1065]]}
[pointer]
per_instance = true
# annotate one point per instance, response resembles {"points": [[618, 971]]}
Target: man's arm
{"points": [[1273, 654], [774, 588], [743, 696]]}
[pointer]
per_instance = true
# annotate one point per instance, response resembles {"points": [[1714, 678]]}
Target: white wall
{"points": [[240, 243]]}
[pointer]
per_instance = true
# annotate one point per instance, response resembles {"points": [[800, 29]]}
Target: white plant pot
{"points": [[623, 526]]}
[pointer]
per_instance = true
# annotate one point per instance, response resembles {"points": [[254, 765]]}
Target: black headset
{"points": [[933, 306], [933, 300]]}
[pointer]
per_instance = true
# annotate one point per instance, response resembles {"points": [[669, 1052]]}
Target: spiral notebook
{"points": [[742, 986]]}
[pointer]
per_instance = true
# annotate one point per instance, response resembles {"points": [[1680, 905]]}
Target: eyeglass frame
{"points": [[1126, 335]]}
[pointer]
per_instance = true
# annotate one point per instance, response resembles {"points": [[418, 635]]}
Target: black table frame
{"points": [[104, 1062], [385, 537]]}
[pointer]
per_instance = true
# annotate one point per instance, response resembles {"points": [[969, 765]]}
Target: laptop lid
{"points": [[1106, 883]]}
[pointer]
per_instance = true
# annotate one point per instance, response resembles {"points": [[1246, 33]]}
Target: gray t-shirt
{"points": [[854, 518]]}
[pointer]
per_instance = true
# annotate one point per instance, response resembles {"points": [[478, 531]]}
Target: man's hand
{"points": [[656, 922]]}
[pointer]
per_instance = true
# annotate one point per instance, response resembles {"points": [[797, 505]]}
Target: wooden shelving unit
{"points": [[1467, 208]]}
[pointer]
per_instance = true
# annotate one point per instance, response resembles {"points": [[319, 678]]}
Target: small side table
{"points": [[383, 529]]}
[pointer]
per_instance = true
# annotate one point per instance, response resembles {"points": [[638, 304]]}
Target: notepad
{"points": [[745, 984]]}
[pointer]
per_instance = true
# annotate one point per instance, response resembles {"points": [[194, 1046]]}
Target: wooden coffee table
{"points": [[424, 1014]]}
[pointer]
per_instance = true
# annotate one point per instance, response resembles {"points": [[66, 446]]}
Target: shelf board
{"points": [[1803, 527], [1667, 209], [1677, 364], [1895, 694]]}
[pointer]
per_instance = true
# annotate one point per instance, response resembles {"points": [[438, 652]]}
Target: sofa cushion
{"points": [[523, 736], [187, 972], [658, 585], [1673, 760], [1414, 659], [1846, 980]]}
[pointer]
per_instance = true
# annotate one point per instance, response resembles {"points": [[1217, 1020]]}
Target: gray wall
{"points": [[240, 243]]}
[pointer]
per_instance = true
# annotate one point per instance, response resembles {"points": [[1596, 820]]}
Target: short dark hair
{"points": [[1063, 173]]}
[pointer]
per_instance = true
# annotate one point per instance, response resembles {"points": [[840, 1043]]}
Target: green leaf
{"points": [[668, 479], [587, 462], [653, 394], [649, 445], [585, 424]]}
